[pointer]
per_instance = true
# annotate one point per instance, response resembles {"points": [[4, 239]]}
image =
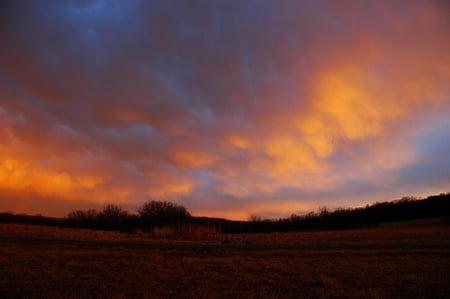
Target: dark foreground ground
{"points": [[401, 260]]}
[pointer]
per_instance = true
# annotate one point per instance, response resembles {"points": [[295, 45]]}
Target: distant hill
{"points": [[407, 208], [7, 217]]}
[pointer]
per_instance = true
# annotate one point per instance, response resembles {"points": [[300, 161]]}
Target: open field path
{"points": [[385, 262]]}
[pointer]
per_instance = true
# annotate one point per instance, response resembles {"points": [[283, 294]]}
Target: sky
{"points": [[230, 108]]}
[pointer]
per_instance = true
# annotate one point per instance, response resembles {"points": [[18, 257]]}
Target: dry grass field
{"points": [[398, 260]]}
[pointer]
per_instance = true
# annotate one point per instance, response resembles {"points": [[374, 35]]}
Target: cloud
{"points": [[228, 107]]}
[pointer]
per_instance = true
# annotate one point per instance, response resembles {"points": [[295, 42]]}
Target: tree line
{"points": [[161, 213], [112, 217], [407, 208]]}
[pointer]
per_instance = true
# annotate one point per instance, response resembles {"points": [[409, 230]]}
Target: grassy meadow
{"points": [[397, 260]]}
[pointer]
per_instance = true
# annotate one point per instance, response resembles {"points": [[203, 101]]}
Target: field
{"points": [[398, 260]]}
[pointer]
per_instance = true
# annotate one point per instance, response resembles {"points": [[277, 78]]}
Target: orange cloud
{"points": [[21, 175], [245, 111], [191, 156]]}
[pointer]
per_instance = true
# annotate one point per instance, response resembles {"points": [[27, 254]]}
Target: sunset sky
{"points": [[229, 108]]}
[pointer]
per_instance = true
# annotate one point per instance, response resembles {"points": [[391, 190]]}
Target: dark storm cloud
{"points": [[230, 107]]}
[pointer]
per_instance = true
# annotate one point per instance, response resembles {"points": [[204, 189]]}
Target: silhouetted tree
{"points": [[112, 217], [113, 212], [255, 218], [85, 219], [158, 213]]}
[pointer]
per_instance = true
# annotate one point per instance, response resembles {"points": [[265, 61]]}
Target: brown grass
{"points": [[390, 261]]}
